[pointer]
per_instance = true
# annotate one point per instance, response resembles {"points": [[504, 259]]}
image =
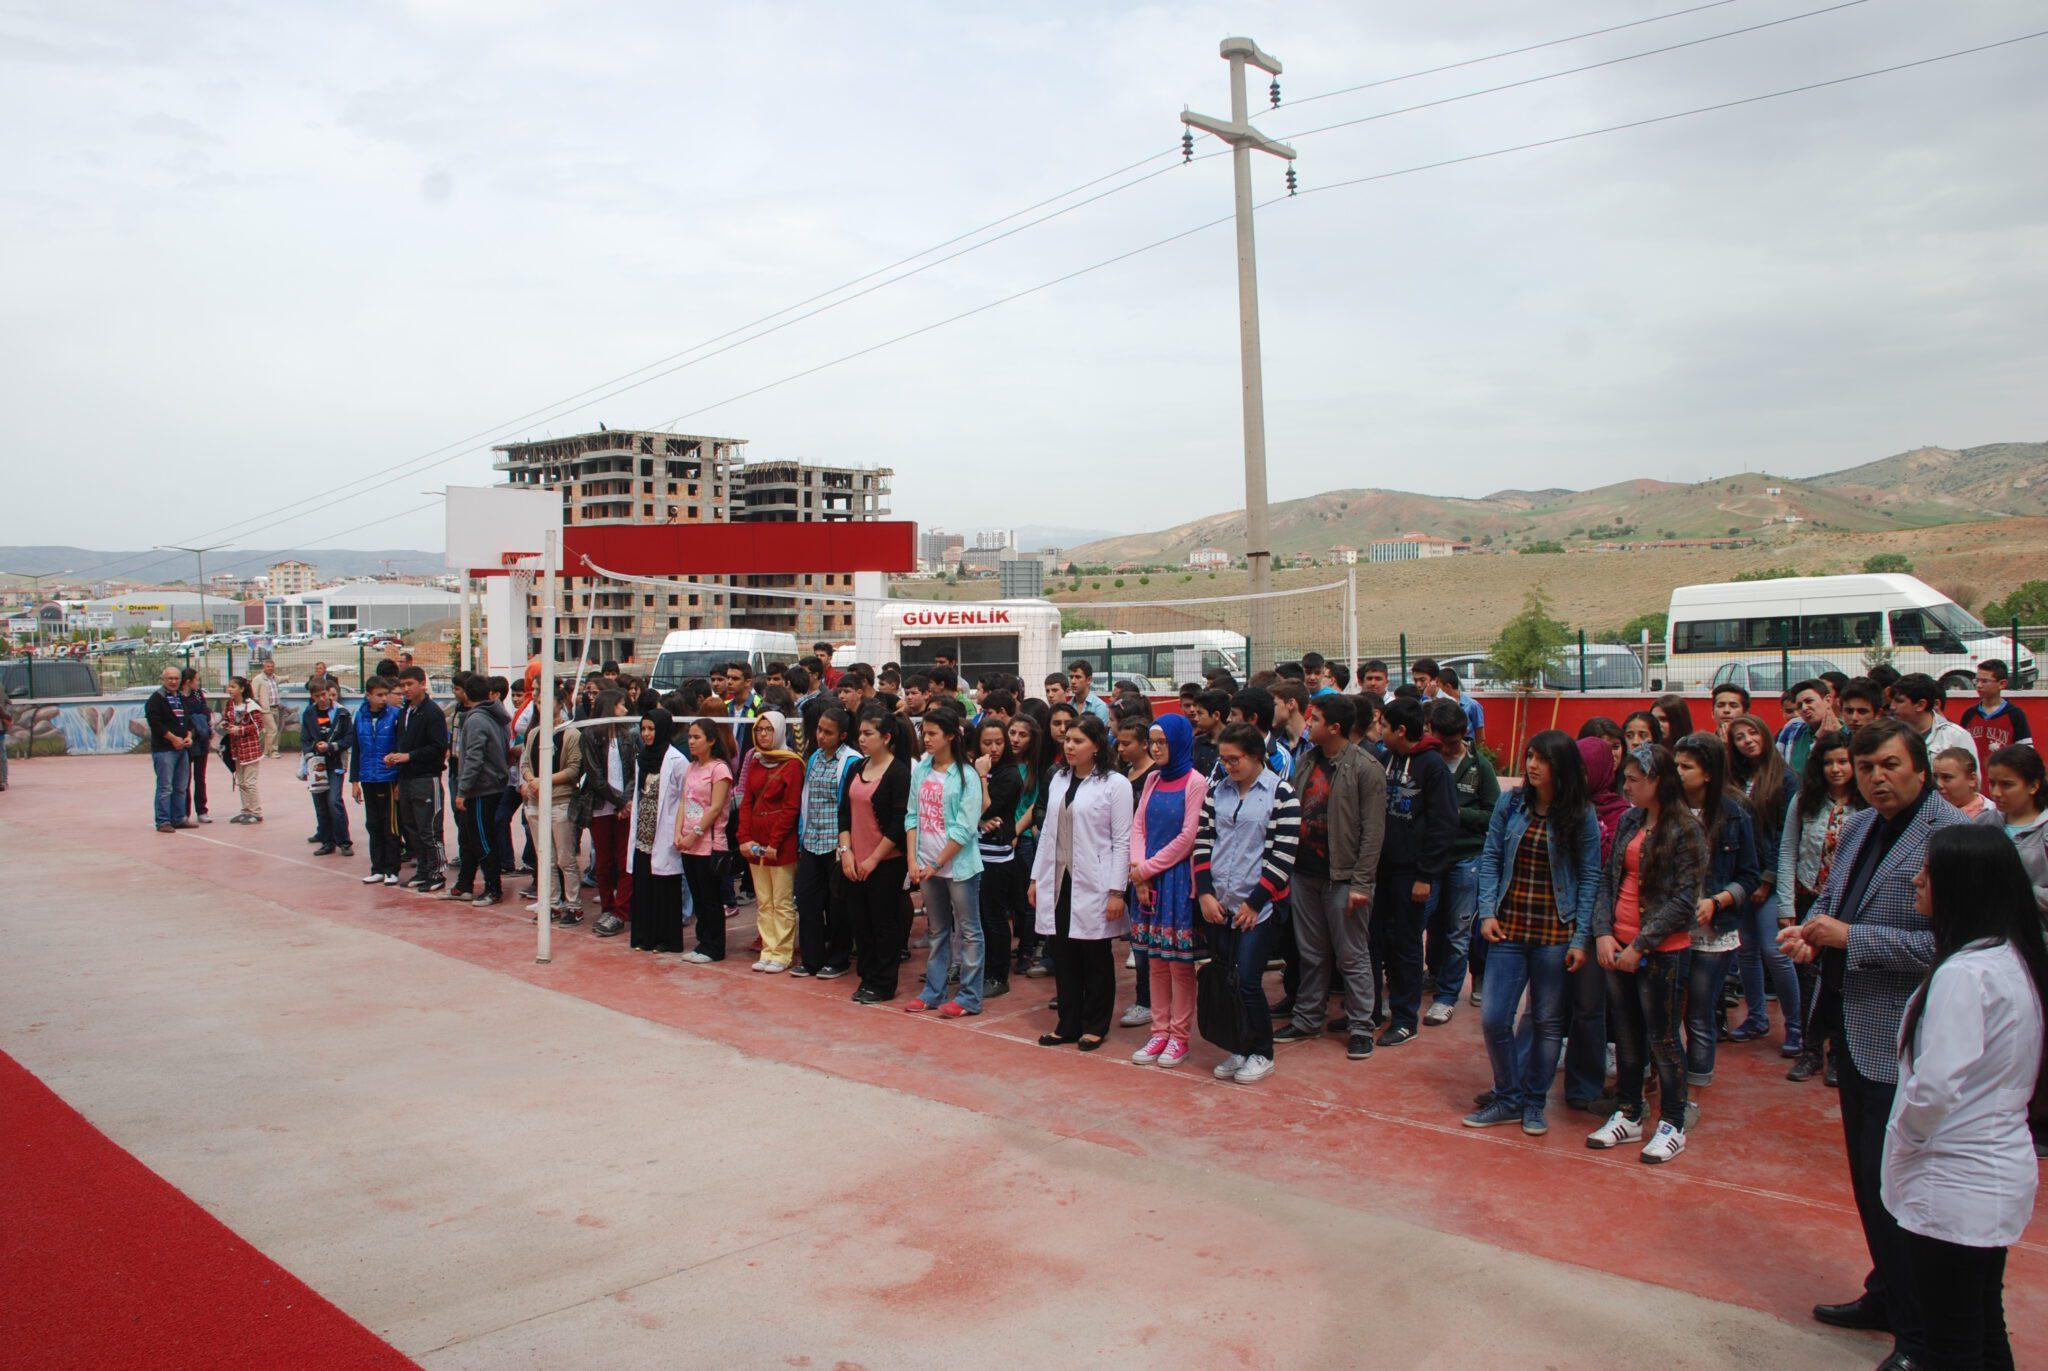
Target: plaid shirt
{"points": [[244, 725], [1528, 908]]}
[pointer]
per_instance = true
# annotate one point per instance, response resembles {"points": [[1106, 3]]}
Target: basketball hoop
{"points": [[518, 566]]}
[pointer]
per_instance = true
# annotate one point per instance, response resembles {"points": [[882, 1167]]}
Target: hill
{"points": [[1998, 480], [1920, 489]]}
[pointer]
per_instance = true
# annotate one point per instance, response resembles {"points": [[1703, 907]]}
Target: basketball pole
{"points": [[544, 720]]}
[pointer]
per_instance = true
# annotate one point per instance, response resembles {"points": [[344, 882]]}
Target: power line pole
{"points": [[1238, 132], [199, 553]]}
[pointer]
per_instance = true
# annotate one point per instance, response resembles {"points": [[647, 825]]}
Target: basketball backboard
{"points": [[486, 522]]}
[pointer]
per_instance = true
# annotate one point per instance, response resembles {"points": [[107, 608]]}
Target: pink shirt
{"points": [[1183, 842], [697, 784]]}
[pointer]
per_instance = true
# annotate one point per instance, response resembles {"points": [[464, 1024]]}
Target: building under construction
{"points": [[617, 476]]}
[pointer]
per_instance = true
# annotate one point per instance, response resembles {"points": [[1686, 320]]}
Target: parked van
{"points": [[1018, 636], [1174, 658], [1856, 620], [700, 651]]}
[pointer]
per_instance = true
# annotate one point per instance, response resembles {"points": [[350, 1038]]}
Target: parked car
{"points": [[1609, 666], [1768, 678], [48, 678]]}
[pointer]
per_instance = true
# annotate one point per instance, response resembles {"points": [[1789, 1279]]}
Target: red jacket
{"points": [[768, 810]]}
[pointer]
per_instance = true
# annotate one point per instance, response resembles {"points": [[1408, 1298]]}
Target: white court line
{"points": [[1096, 1059]]}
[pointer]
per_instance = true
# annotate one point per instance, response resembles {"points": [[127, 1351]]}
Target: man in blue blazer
{"points": [[1874, 945]]}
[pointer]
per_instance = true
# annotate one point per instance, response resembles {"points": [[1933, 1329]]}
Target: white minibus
{"points": [[699, 652], [1174, 658], [1856, 621]]}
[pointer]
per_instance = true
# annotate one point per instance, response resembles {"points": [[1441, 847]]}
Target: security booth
{"points": [[1021, 637]]}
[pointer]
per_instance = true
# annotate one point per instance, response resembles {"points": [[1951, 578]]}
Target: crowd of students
{"points": [[1632, 902]]}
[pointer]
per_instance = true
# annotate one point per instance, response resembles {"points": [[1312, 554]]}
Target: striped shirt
{"points": [[1246, 842]]}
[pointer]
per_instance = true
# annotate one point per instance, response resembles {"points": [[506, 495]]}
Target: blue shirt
{"points": [[1239, 856], [1093, 703]]}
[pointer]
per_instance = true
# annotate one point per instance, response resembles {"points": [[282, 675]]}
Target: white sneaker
{"points": [[1131, 960], [772, 967], [1255, 1068], [373, 878], [1137, 1016], [761, 965], [391, 879], [1618, 1129], [1668, 1143], [1228, 1067], [1149, 1053], [697, 957], [1438, 1013]]}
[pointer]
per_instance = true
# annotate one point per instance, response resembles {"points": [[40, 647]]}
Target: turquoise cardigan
{"points": [[963, 815]]}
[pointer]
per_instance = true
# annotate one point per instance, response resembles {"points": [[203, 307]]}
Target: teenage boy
{"points": [[482, 775], [826, 673], [422, 752], [373, 779], [1477, 789], [917, 689], [1056, 688], [1731, 702], [1916, 701], [1290, 720], [1449, 687], [1372, 678], [1256, 707], [1343, 793], [1208, 713], [1315, 674], [1816, 709], [856, 688], [1080, 677], [741, 700], [1423, 677], [1994, 722], [326, 734], [1861, 702], [1422, 822]]}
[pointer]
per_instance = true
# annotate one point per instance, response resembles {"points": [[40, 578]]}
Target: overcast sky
{"points": [[252, 251]]}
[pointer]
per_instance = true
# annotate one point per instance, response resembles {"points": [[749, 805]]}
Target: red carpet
{"points": [[105, 1266]]}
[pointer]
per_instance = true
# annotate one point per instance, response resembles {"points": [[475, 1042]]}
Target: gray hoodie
{"points": [[483, 735]]}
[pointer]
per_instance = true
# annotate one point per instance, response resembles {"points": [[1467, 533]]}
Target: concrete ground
{"points": [[618, 1160]]}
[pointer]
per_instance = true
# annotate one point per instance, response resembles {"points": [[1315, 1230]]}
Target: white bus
{"points": [[1016, 636], [1172, 658], [1843, 619], [699, 652]]}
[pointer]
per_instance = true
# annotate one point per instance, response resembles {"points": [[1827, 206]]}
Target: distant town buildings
{"points": [[1208, 558], [352, 605], [655, 477], [1409, 547], [290, 578], [934, 543], [1341, 555]]}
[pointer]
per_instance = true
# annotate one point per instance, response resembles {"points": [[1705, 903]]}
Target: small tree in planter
{"points": [[1529, 644]]}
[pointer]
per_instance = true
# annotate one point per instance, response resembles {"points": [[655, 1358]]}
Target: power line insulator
{"points": [[1276, 92], [1292, 184], [1187, 145]]}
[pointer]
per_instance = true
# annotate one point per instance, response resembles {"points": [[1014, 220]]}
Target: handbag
{"points": [[1219, 1005]]}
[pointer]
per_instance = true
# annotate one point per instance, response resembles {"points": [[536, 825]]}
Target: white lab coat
{"points": [[1958, 1161], [1101, 853], [667, 860]]}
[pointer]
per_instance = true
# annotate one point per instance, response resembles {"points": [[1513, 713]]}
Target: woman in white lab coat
{"points": [[1078, 880], [1959, 1165]]}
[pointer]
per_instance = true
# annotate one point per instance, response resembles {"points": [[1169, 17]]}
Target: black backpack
{"points": [[1219, 1005]]}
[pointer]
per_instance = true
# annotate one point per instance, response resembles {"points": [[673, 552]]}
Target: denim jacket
{"points": [[1576, 881], [1666, 905], [963, 814], [1732, 865]]}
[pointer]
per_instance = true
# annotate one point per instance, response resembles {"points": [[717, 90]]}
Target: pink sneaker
{"points": [[1149, 1053], [1176, 1052]]}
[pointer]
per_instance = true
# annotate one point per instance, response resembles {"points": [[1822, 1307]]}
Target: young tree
{"points": [[1883, 562], [2028, 603], [1530, 643]]}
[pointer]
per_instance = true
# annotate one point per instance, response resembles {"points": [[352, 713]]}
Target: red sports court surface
{"points": [[1757, 1212]]}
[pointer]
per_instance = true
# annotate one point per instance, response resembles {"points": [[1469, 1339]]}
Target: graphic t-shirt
{"points": [[931, 823], [1313, 856], [697, 786], [1990, 732]]}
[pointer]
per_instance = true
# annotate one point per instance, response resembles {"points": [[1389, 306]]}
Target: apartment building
{"points": [[617, 476]]}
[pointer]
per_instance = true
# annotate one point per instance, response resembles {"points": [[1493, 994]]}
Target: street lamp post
{"points": [[206, 624], [1238, 132]]}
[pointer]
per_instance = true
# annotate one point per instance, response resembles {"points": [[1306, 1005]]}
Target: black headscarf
{"points": [[652, 755]]}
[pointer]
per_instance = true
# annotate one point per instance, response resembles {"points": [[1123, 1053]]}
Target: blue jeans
{"points": [[1247, 951], [1703, 975], [1450, 928], [1760, 957], [1522, 1070], [173, 783], [953, 908], [330, 814]]}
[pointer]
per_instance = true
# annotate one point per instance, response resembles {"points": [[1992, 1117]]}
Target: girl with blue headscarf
{"points": [[1163, 878]]}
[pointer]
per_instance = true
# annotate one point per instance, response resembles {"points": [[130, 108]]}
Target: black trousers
{"points": [[1084, 971], [483, 842], [657, 907], [1648, 1006], [1961, 1290], [380, 825], [705, 876], [824, 929], [1002, 899], [419, 806], [879, 928], [1395, 936], [1866, 1107], [1290, 950]]}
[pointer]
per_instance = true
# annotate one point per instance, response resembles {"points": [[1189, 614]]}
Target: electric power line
{"points": [[463, 446]]}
